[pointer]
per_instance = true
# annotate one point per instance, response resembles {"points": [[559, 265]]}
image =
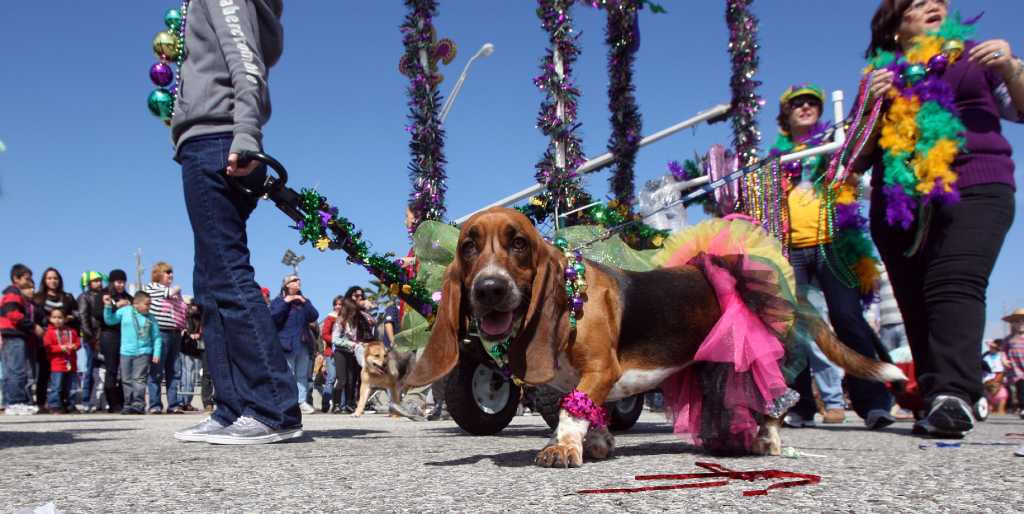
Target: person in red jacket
{"points": [[61, 343]]}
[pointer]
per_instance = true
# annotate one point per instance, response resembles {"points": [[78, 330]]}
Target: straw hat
{"points": [[1017, 315]]}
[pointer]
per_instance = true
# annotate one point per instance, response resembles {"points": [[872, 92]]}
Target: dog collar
{"points": [[498, 351]]}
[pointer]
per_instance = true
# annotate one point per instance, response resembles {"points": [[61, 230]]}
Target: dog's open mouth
{"points": [[497, 325]]}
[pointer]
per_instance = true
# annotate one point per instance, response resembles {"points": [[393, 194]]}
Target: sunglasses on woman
{"points": [[801, 101]]}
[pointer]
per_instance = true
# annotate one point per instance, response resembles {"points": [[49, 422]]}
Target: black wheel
{"points": [[625, 412], [480, 399]]}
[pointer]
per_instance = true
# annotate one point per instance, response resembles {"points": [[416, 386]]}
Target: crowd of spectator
{"points": [[143, 353]]}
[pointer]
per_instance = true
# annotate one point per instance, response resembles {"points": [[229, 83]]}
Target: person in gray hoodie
{"points": [[222, 104]]}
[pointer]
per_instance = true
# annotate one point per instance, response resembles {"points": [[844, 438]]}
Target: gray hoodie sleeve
{"points": [[237, 29]]}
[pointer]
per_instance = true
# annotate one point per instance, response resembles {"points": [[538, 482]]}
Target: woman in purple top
{"points": [[941, 255]]}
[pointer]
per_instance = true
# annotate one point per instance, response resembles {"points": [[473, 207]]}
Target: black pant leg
{"points": [[339, 379], [963, 243]]}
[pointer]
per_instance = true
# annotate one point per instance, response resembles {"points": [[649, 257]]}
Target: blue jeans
{"points": [[59, 394], [244, 355], [16, 361], [828, 376], [847, 317], [300, 365], [83, 379], [167, 371], [134, 370], [188, 370], [330, 374]]}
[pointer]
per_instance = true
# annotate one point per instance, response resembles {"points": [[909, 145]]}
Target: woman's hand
{"points": [[995, 54], [880, 82]]}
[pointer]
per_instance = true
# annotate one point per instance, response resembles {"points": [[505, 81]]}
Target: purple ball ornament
{"points": [[577, 304], [161, 74], [938, 63], [570, 273]]}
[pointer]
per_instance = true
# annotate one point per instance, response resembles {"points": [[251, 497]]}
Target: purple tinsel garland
{"points": [[564, 184], [745, 101], [623, 39], [426, 168]]}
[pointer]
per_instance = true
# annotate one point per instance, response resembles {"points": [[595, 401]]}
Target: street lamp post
{"points": [[484, 51], [290, 259]]}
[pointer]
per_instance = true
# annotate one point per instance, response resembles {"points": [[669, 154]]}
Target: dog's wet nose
{"points": [[490, 291]]}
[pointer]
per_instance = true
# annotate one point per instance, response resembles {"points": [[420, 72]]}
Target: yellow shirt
{"points": [[804, 211]]}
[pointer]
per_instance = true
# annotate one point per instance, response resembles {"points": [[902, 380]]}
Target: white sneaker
{"points": [[306, 408], [794, 420], [21, 409]]}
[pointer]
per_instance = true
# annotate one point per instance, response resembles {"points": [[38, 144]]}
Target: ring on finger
{"points": [[997, 54]]}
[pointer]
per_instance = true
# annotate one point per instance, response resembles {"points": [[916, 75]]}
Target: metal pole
{"points": [[607, 158], [839, 140], [484, 51]]}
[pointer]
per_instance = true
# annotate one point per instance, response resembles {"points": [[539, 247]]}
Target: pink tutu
{"points": [[736, 376]]}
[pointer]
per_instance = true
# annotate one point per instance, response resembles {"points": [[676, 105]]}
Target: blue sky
{"points": [[87, 176]]}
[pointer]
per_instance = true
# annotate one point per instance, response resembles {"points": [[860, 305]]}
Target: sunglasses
{"points": [[799, 102]]}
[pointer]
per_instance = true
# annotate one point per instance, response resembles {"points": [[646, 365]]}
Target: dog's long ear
{"points": [[533, 353], [442, 351]]}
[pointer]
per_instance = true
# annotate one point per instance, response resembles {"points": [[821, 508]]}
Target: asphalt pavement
{"points": [[110, 463]]}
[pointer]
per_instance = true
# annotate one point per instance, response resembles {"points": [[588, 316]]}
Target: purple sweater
{"points": [[987, 156]]}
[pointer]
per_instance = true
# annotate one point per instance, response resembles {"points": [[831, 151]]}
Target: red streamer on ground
{"points": [[717, 471], [1014, 434]]}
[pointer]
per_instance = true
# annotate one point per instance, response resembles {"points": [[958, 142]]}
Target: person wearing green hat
{"points": [[811, 253]]}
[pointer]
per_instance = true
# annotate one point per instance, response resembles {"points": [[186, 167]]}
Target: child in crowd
{"points": [[61, 343], [140, 345]]}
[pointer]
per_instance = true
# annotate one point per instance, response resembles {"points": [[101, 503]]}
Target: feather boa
{"points": [[921, 134]]}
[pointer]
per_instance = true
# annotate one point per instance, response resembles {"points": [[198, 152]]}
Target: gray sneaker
{"points": [[201, 432], [248, 430]]}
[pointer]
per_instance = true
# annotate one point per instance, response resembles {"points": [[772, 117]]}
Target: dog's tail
{"points": [[852, 362]]}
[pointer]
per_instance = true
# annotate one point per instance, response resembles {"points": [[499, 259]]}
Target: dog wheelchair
{"points": [[480, 398]]}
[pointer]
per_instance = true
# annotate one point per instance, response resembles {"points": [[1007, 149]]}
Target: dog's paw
{"points": [[768, 440], [559, 455], [357, 414], [599, 443]]}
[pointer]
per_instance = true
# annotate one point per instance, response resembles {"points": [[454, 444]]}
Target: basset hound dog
{"points": [[636, 329]]}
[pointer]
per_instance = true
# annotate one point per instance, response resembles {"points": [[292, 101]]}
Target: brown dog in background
{"points": [[383, 369]]}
